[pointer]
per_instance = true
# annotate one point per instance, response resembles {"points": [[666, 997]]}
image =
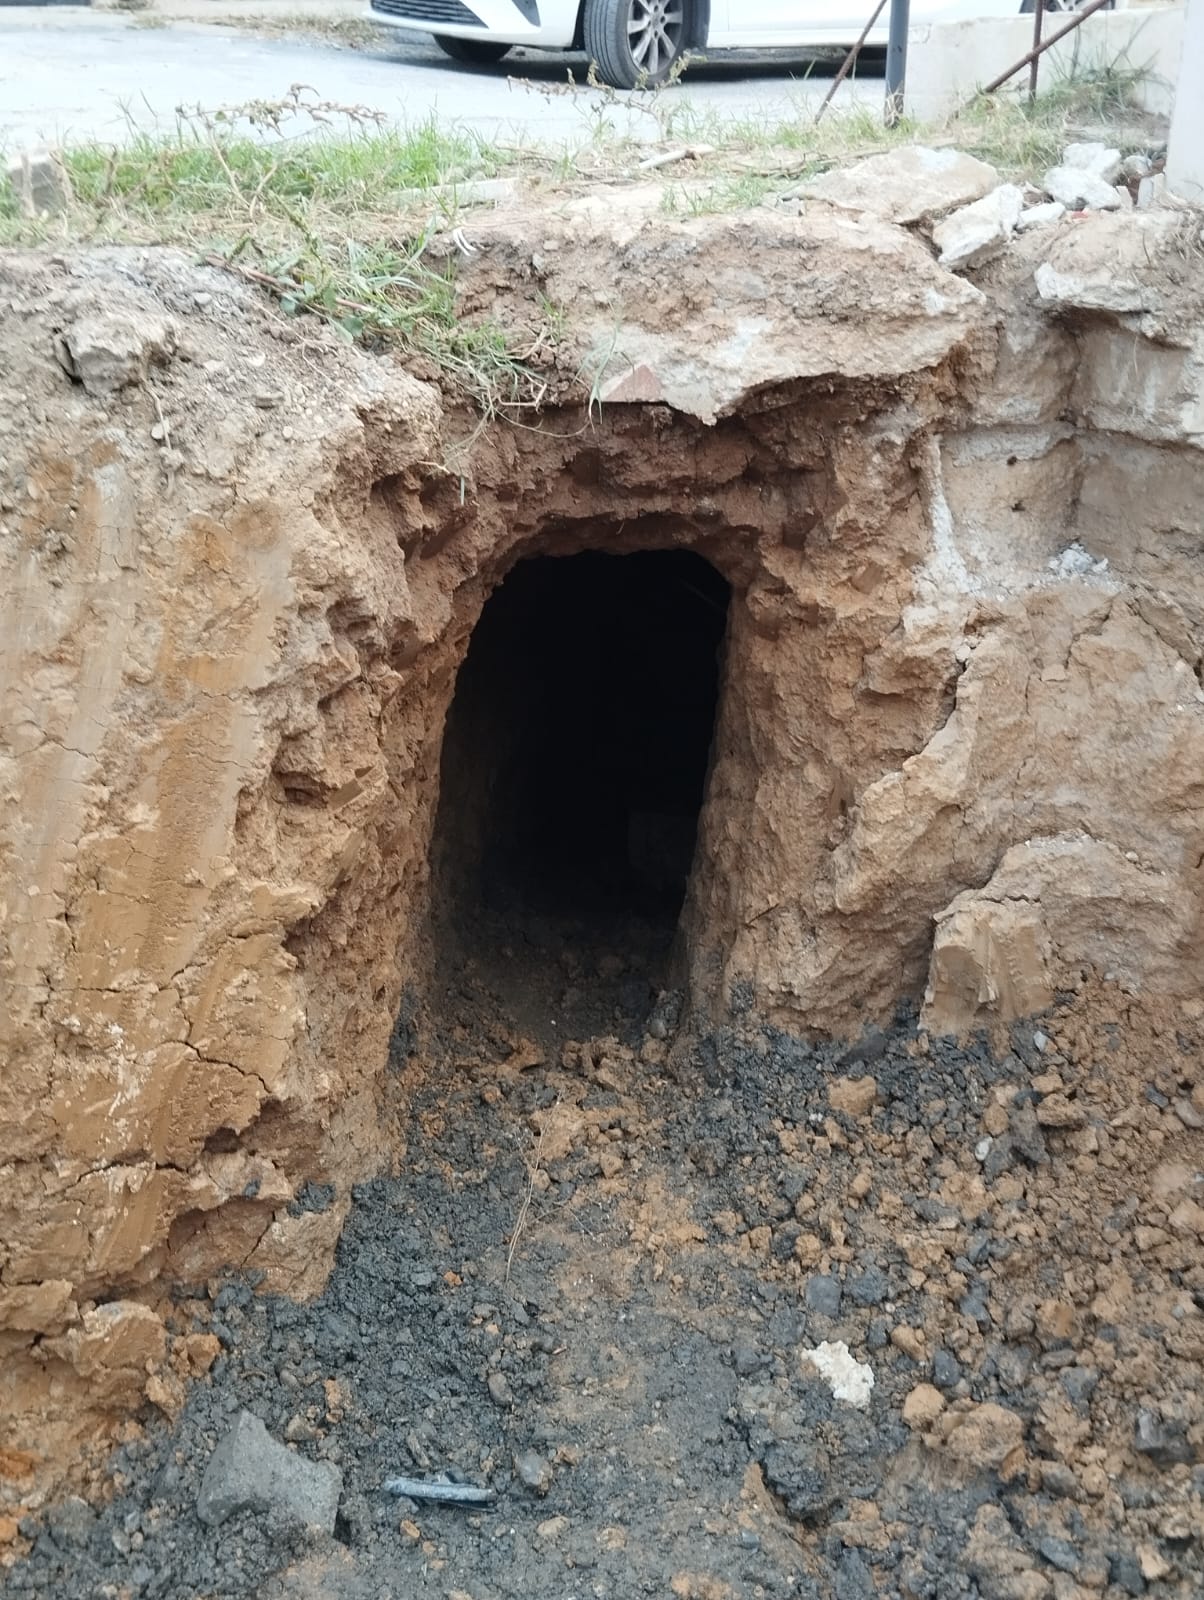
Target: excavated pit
{"points": [[574, 766], [492, 925]]}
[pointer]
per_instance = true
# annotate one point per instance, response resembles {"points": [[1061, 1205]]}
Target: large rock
{"points": [[910, 185], [251, 1471], [110, 352], [727, 307], [1052, 905]]}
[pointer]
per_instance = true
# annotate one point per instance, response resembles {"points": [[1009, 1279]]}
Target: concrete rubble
{"points": [[251, 1471]]}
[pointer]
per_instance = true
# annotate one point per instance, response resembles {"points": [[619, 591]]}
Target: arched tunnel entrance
{"points": [[575, 763]]}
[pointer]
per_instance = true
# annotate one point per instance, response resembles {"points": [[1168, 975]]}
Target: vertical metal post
{"points": [[896, 60], [1035, 65]]}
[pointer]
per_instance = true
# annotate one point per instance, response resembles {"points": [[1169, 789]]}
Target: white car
{"points": [[635, 42]]}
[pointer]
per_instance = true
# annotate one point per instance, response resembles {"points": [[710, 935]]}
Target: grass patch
{"points": [[1023, 138]]}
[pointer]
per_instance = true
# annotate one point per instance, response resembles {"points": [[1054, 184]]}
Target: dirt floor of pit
{"points": [[593, 1283]]}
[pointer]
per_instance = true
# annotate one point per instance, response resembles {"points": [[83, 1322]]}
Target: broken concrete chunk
{"points": [[979, 232], [850, 1380], [108, 353], [910, 185], [1080, 190], [1041, 216], [251, 1471], [1093, 157]]}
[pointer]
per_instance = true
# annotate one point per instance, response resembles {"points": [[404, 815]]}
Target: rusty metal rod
{"points": [[849, 62], [1035, 66], [1077, 22]]}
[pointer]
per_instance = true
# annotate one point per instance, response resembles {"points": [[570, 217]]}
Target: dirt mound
{"points": [[936, 547]]}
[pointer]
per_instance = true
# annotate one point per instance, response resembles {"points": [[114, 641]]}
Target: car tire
{"points": [[477, 52], [635, 43]]}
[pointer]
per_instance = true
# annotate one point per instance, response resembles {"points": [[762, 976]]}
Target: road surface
{"points": [[69, 74]]}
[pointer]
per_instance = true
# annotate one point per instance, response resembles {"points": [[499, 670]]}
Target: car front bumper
{"points": [[542, 24]]}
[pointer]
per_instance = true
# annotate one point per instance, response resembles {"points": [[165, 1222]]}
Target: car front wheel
{"points": [[480, 52], [635, 43]]}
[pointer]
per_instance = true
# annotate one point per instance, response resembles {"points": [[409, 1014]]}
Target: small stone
{"points": [[995, 1119], [1163, 1442], [1060, 1553], [410, 1531], [1027, 1140], [869, 1288], [923, 1406], [299, 1429], [500, 1391], [823, 1295], [1058, 1479], [552, 1528], [747, 1359], [946, 1370], [1188, 1114], [534, 1471], [1125, 1572], [854, 1096], [610, 1162], [251, 1471]]}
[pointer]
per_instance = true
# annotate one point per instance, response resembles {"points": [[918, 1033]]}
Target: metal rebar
{"points": [[849, 61], [444, 1494], [896, 60], [1035, 66], [1076, 21]]}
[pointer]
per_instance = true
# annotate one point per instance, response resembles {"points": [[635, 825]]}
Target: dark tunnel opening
{"points": [[577, 749]]}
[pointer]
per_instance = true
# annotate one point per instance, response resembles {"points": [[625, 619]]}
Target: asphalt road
{"points": [[73, 74]]}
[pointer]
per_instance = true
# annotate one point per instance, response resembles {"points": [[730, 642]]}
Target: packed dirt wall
{"points": [[958, 757]]}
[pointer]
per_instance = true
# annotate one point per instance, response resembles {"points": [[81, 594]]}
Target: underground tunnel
{"points": [[576, 754]]}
